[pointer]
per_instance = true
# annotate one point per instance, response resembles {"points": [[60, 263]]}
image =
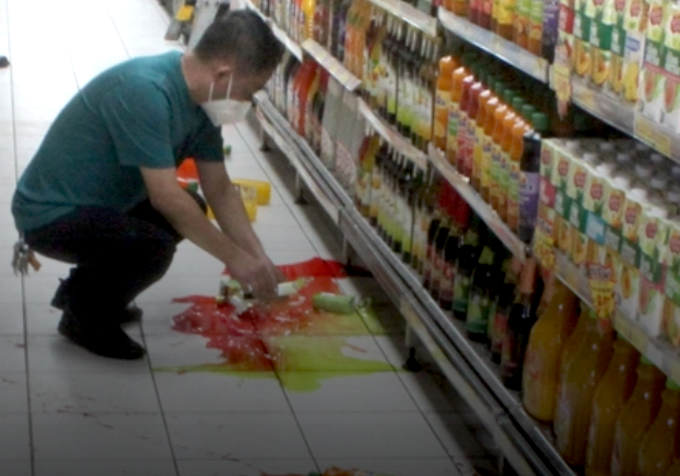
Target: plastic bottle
{"points": [[659, 447], [463, 129], [479, 304], [542, 360], [487, 148], [496, 156], [459, 74], [675, 469], [515, 179], [478, 150], [509, 121], [505, 19], [506, 297], [520, 322], [576, 391], [635, 418], [529, 187], [610, 397], [472, 112], [443, 100], [468, 255], [460, 7]]}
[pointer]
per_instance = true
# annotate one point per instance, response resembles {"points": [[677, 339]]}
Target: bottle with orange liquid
{"points": [[478, 151], [463, 140], [472, 112], [442, 103], [542, 361], [635, 418], [576, 391], [610, 397], [660, 446], [496, 151], [460, 7], [487, 146], [509, 120], [519, 129], [459, 74]]}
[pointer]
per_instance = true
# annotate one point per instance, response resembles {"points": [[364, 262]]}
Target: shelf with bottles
{"points": [[505, 50], [477, 203], [331, 64], [410, 14], [283, 37]]}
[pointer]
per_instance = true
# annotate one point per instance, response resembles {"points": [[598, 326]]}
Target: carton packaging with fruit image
{"points": [[671, 70], [583, 60], [601, 29], [635, 25], [618, 49], [563, 161], [652, 80], [671, 259], [579, 175], [630, 251], [564, 49], [653, 235]]}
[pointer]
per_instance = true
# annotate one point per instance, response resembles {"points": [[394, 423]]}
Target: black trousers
{"points": [[116, 256]]}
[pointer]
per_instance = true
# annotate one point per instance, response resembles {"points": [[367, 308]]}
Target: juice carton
{"points": [[653, 235], [652, 80], [579, 176], [601, 29], [564, 158], [629, 280], [595, 224], [671, 260], [635, 25], [564, 50], [671, 70], [618, 49], [583, 60]]}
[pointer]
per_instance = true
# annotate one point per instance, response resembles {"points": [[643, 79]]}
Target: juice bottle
{"points": [[463, 141], [520, 34], [479, 305], [506, 298], [529, 188], [504, 170], [485, 12], [468, 255], [459, 75], [472, 113], [520, 321], [478, 149], [443, 100], [460, 7], [516, 181], [505, 19], [660, 446], [542, 360], [576, 390], [487, 146], [610, 397], [635, 418], [496, 156]]}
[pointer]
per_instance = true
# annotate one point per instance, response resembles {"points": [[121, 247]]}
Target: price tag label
{"points": [[184, 13], [544, 249], [601, 283], [651, 134]]}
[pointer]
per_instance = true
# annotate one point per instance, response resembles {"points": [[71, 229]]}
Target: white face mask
{"points": [[225, 111]]}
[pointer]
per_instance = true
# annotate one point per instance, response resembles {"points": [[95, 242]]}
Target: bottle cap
{"points": [[517, 103], [644, 360], [540, 122]]}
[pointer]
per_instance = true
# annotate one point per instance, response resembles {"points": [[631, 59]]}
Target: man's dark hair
{"points": [[243, 37]]}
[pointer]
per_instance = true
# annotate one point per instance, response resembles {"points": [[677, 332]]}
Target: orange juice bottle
{"points": [[459, 74], [660, 446], [610, 396], [520, 128], [478, 150], [542, 361], [472, 113], [496, 153], [504, 171], [487, 147], [576, 390], [463, 141], [635, 418], [460, 7], [442, 103]]}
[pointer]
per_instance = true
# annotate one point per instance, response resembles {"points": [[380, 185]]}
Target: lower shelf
{"points": [[525, 443]]}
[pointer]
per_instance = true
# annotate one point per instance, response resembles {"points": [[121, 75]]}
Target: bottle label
{"points": [[503, 180], [485, 176], [446, 285], [506, 13], [529, 185], [461, 293], [453, 125], [407, 224], [495, 172], [514, 195], [462, 140], [442, 108], [477, 313]]}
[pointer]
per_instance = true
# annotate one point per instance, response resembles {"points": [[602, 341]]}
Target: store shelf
{"points": [[658, 350], [481, 208], [393, 137], [410, 14], [283, 37], [504, 50], [526, 444], [603, 106], [332, 65]]}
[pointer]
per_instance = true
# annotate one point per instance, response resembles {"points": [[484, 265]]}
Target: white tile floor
{"points": [[66, 412]]}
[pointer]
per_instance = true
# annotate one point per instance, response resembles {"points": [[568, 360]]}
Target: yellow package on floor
{"points": [[249, 197], [262, 188]]}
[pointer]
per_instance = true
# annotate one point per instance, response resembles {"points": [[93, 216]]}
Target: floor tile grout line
{"points": [[23, 285]]}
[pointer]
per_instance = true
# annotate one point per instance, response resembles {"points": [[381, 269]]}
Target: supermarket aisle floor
{"points": [[65, 412]]}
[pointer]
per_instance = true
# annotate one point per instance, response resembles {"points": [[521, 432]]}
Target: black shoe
{"points": [[127, 316], [4, 62], [107, 340]]}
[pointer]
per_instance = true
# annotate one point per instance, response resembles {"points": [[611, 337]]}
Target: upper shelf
{"points": [[283, 37], [626, 118], [332, 65], [411, 15], [481, 208], [394, 138], [504, 50]]}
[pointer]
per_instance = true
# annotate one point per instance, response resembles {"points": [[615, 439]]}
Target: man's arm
{"points": [[186, 217], [227, 205]]}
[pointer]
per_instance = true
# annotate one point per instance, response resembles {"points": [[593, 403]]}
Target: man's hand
{"points": [[256, 273]]}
